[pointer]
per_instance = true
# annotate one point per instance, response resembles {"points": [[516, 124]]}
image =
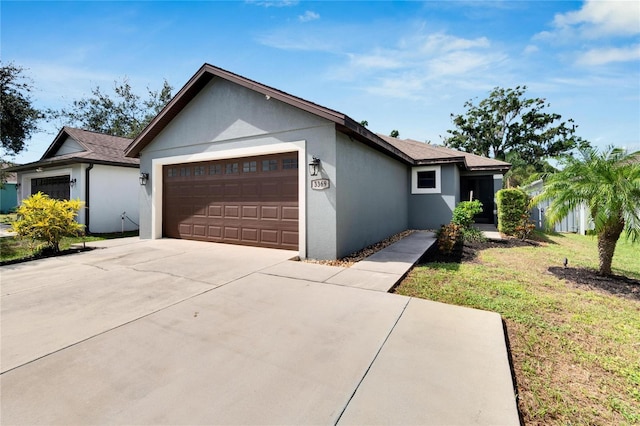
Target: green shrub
{"points": [[473, 234], [45, 219], [512, 204], [448, 237], [465, 211]]}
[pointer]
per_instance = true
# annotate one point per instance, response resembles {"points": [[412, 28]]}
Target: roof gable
{"points": [[207, 72], [69, 146]]}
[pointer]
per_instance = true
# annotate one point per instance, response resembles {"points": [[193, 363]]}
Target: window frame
{"points": [[414, 180]]}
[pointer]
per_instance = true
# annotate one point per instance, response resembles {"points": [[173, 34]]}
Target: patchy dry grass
{"points": [[576, 352]]}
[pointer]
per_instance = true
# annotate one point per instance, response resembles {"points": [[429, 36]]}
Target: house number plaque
{"points": [[320, 184]]}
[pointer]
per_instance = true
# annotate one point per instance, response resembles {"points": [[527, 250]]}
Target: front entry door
{"points": [[479, 188]]}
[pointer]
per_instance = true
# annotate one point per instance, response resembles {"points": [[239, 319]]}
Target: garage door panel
{"points": [[269, 212], [232, 189], [232, 212], [237, 201], [215, 211], [290, 238], [215, 232], [269, 236], [231, 233], [250, 234], [289, 213], [184, 229], [250, 212], [200, 230]]}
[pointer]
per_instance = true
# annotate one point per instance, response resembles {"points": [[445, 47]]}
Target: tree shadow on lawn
{"points": [[586, 278]]}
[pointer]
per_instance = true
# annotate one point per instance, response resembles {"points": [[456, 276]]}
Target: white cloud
{"points": [[602, 56], [376, 60], [308, 16], [273, 3], [532, 48], [599, 18]]}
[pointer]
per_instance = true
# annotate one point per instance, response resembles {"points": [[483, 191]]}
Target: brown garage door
{"points": [[249, 200]]}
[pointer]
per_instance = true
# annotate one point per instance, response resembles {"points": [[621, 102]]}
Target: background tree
{"points": [[506, 122], [124, 114], [609, 184], [18, 117], [394, 134]]}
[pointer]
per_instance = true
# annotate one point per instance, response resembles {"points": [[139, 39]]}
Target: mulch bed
{"points": [[590, 279]]}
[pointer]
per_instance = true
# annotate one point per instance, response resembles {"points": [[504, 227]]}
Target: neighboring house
{"points": [[8, 192], [577, 221], [90, 167], [232, 160]]}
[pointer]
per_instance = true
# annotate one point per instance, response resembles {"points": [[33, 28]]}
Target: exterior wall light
{"points": [[39, 170], [72, 183], [144, 177], [18, 185], [314, 166]]}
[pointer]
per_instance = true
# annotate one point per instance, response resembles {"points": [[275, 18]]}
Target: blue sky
{"points": [[398, 65]]}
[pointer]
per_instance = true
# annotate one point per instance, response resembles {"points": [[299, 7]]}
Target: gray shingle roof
{"points": [[98, 148], [423, 153]]}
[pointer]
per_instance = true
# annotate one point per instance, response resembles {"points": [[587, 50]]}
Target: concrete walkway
{"points": [[489, 230], [380, 271], [181, 332]]}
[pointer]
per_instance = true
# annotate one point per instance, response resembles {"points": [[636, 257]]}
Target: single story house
{"points": [[8, 191], [233, 160], [91, 167]]}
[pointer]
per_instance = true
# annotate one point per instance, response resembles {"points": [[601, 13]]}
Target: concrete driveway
{"points": [[182, 332]]}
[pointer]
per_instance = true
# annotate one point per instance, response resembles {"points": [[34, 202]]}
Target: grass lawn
{"points": [[576, 351], [12, 248]]}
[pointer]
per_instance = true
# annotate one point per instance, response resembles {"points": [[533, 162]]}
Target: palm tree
{"points": [[608, 183]]}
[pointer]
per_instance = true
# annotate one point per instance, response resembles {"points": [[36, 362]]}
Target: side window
{"points": [[426, 180]]}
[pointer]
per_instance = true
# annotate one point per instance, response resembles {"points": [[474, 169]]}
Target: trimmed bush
{"points": [[512, 204], [465, 211], [45, 219]]}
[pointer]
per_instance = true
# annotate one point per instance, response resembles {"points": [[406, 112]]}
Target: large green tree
{"points": [[18, 117], [608, 183], [124, 113], [508, 121]]}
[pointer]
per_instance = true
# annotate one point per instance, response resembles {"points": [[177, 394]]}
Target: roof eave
{"points": [[356, 130], [66, 162]]}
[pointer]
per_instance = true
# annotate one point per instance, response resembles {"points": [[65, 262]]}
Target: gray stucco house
{"points": [[233, 160]]}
